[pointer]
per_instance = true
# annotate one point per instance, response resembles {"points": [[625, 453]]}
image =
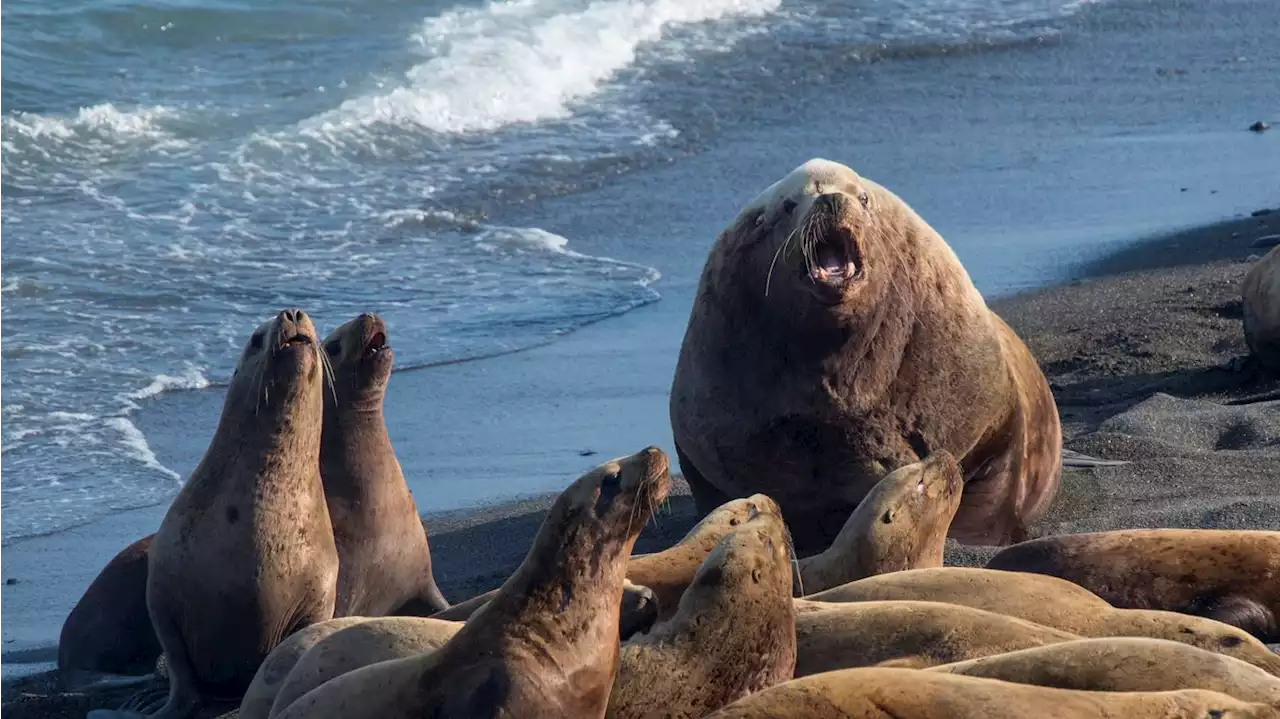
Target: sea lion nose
{"points": [[292, 315]]}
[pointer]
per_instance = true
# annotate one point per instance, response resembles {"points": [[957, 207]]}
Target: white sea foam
{"points": [[105, 120], [524, 61], [193, 378], [135, 444]]}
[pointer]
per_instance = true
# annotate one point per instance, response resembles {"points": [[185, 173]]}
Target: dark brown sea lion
{"points": [[1125, 664], [245, 555], [666, 574], [901, 524], [734, 633], [546, 645], [109, 630], [384, 562], [1053, 602], [1232, 576], [910, 694], [836, 337]]}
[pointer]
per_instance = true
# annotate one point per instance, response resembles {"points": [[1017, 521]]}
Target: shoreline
{"points": [[475, 548]]}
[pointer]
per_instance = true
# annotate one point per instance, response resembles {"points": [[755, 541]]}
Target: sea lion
{"points": [[109, 631], [637, 613], [1125, 664], [901, 524], [367, 642], [666, 573], [907, 634], [1232, 576], [1053, 602], [384, 561], [733, 634], [245, 554], [1260, 302], [836, 337], [275, 669], [546, 645], [880, 693]]}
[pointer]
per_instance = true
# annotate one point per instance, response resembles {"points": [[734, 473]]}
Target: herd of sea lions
{"points": [[844, 401]]}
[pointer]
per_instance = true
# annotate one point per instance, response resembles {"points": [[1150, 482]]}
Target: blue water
{"points": [[175, 171]]}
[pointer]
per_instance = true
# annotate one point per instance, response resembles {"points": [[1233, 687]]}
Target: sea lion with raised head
{"points": [[1232, 576], [245, 554], [907, 634], [276, 668], [1125, 664], [1052, 602], [666, 574], [547, 644], [901, 524], [734, 632], [384, 562], [836, 337], [880, 693], [108, 632]]}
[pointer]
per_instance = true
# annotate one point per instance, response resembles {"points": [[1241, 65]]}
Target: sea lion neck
{"points": [[355, 449]]}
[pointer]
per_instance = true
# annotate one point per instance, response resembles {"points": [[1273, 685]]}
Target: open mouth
{"points": [[835, 258], [296, 341], [376, 344]]}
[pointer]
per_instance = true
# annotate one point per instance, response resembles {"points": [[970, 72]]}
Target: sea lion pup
{"points": [[368, 642], [901, 524], [1052, 602], [281, 661], [881, 693], [108, 632], [836, 337], [546, 645], [1232, 576], [1125, 664], [384, 561], [245, 555], [907, 634], [734, 633], [667, 573]]}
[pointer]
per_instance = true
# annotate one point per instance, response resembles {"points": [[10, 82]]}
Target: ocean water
{"points": [[175, 171]]}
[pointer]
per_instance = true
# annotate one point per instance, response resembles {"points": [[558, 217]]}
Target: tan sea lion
{"points": [[109, 630], [384, 560], [901, 524], [1125, 664], [733, 634], [907, 634], [275, 669], [908, 694], [376, 639], [836, 337], [546, 645], [666, 573], [638, 612], [1232, 576], [245, 554], [1053, 602], [1260, 301]]}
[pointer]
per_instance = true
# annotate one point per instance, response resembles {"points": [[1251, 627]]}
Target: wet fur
{"points": [[385, 560], [812, 403], [1232, 576]]}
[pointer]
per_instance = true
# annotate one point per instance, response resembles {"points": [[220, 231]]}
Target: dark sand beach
{"points": [[1097, 185]]}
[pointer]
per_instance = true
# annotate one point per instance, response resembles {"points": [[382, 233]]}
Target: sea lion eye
{"points": [[789, 206], [256, 341], [863, 198], [333, 347]]}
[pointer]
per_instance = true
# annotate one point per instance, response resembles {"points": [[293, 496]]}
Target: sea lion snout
{"points": [[293, 328]]}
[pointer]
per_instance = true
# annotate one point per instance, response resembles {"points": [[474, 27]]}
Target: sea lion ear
{"points": [[887, 517], [864, 198]]}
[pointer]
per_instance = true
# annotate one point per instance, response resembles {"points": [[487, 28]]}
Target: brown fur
{"points": [[667, 573], [1232, 576], [908, 694], [1053, 602], [245, 555], [907, 634], [368, 642], [1126, 664], [901, 524], [384, 560], [546, 645], [734, 633], [280, 662], [639, 609], [812, 390], [109, 630]]}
